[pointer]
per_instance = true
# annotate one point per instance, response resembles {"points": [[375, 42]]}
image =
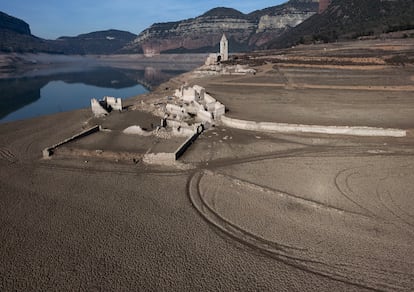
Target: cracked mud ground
{"points": [[255, 212]]}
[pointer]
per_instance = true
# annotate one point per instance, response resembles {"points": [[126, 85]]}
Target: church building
{"points": [[216, 58]]}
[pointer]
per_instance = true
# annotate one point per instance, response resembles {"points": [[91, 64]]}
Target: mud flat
{"points": [[256, 211], [324, 85]]}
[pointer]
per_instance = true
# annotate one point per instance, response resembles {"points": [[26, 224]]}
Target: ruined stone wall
{"points": [[335, 130], [47, 152], [183, 147]]}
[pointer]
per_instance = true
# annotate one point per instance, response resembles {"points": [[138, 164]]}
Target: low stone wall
{"points": [[97, 109], [150, 158], [47, 152], [336, 130], [168, 158], [239, 124], [187, 143], [159, 158]]}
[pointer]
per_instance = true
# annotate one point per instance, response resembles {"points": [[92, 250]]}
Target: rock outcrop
{"points": [[198, 34], [13, 24], [274, 21], [203, 33], [351, 19], [15, 35], [294, 22]]}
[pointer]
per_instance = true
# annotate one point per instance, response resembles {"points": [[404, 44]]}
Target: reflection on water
{"points": [[59, 96], [72, 88]]}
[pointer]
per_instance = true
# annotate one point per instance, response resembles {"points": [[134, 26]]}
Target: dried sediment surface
{"points": [[313, 221], [100, 225], [337, 85], [294, 212]]}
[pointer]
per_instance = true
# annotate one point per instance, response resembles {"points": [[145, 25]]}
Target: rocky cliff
{"points": [[203, 33], [15, 36], [273, 21], [200, 34], [11, 23], [351, 19]]}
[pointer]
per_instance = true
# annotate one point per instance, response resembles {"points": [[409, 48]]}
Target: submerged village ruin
{"points": [[283, 169], [182, 117]]}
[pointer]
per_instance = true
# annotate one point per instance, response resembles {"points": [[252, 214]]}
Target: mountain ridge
{"points": [[284, 25], [246, 31], [14, 24], [349, 20], [97, 42], [15, 36]]}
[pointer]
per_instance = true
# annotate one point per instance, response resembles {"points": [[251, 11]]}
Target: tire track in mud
{"points": [[399, 217], [409, 172], [308, 151], [210, 165], [390, 198], [262, 157], [29, 148], [200, 204], [7, 155], [298, 257], [342, 184], [386, 200], [281, 193], [98, 170]]}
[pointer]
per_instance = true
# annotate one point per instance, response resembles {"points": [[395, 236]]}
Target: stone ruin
{"points": [[190, 105], [184, 113], [105, 106], [184, 116], [216, 58], [195, 102], [213, 65]]}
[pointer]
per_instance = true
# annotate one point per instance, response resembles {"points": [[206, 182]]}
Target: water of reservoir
{"points": [[67, 89]]}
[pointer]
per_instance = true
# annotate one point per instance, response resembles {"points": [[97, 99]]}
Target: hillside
{"points": [[291, 23], [100, 42], [13, 24], [350, 19], [15, 36], [203, 33]]}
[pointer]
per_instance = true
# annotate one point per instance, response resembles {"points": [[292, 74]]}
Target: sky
{"points": [[51, 19]]}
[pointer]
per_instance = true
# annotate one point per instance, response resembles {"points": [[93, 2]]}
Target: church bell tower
{"points": [[224, 48]]}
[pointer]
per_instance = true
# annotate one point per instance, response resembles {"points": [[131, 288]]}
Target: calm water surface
{"points": [[59, 96], [68, 89]]}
